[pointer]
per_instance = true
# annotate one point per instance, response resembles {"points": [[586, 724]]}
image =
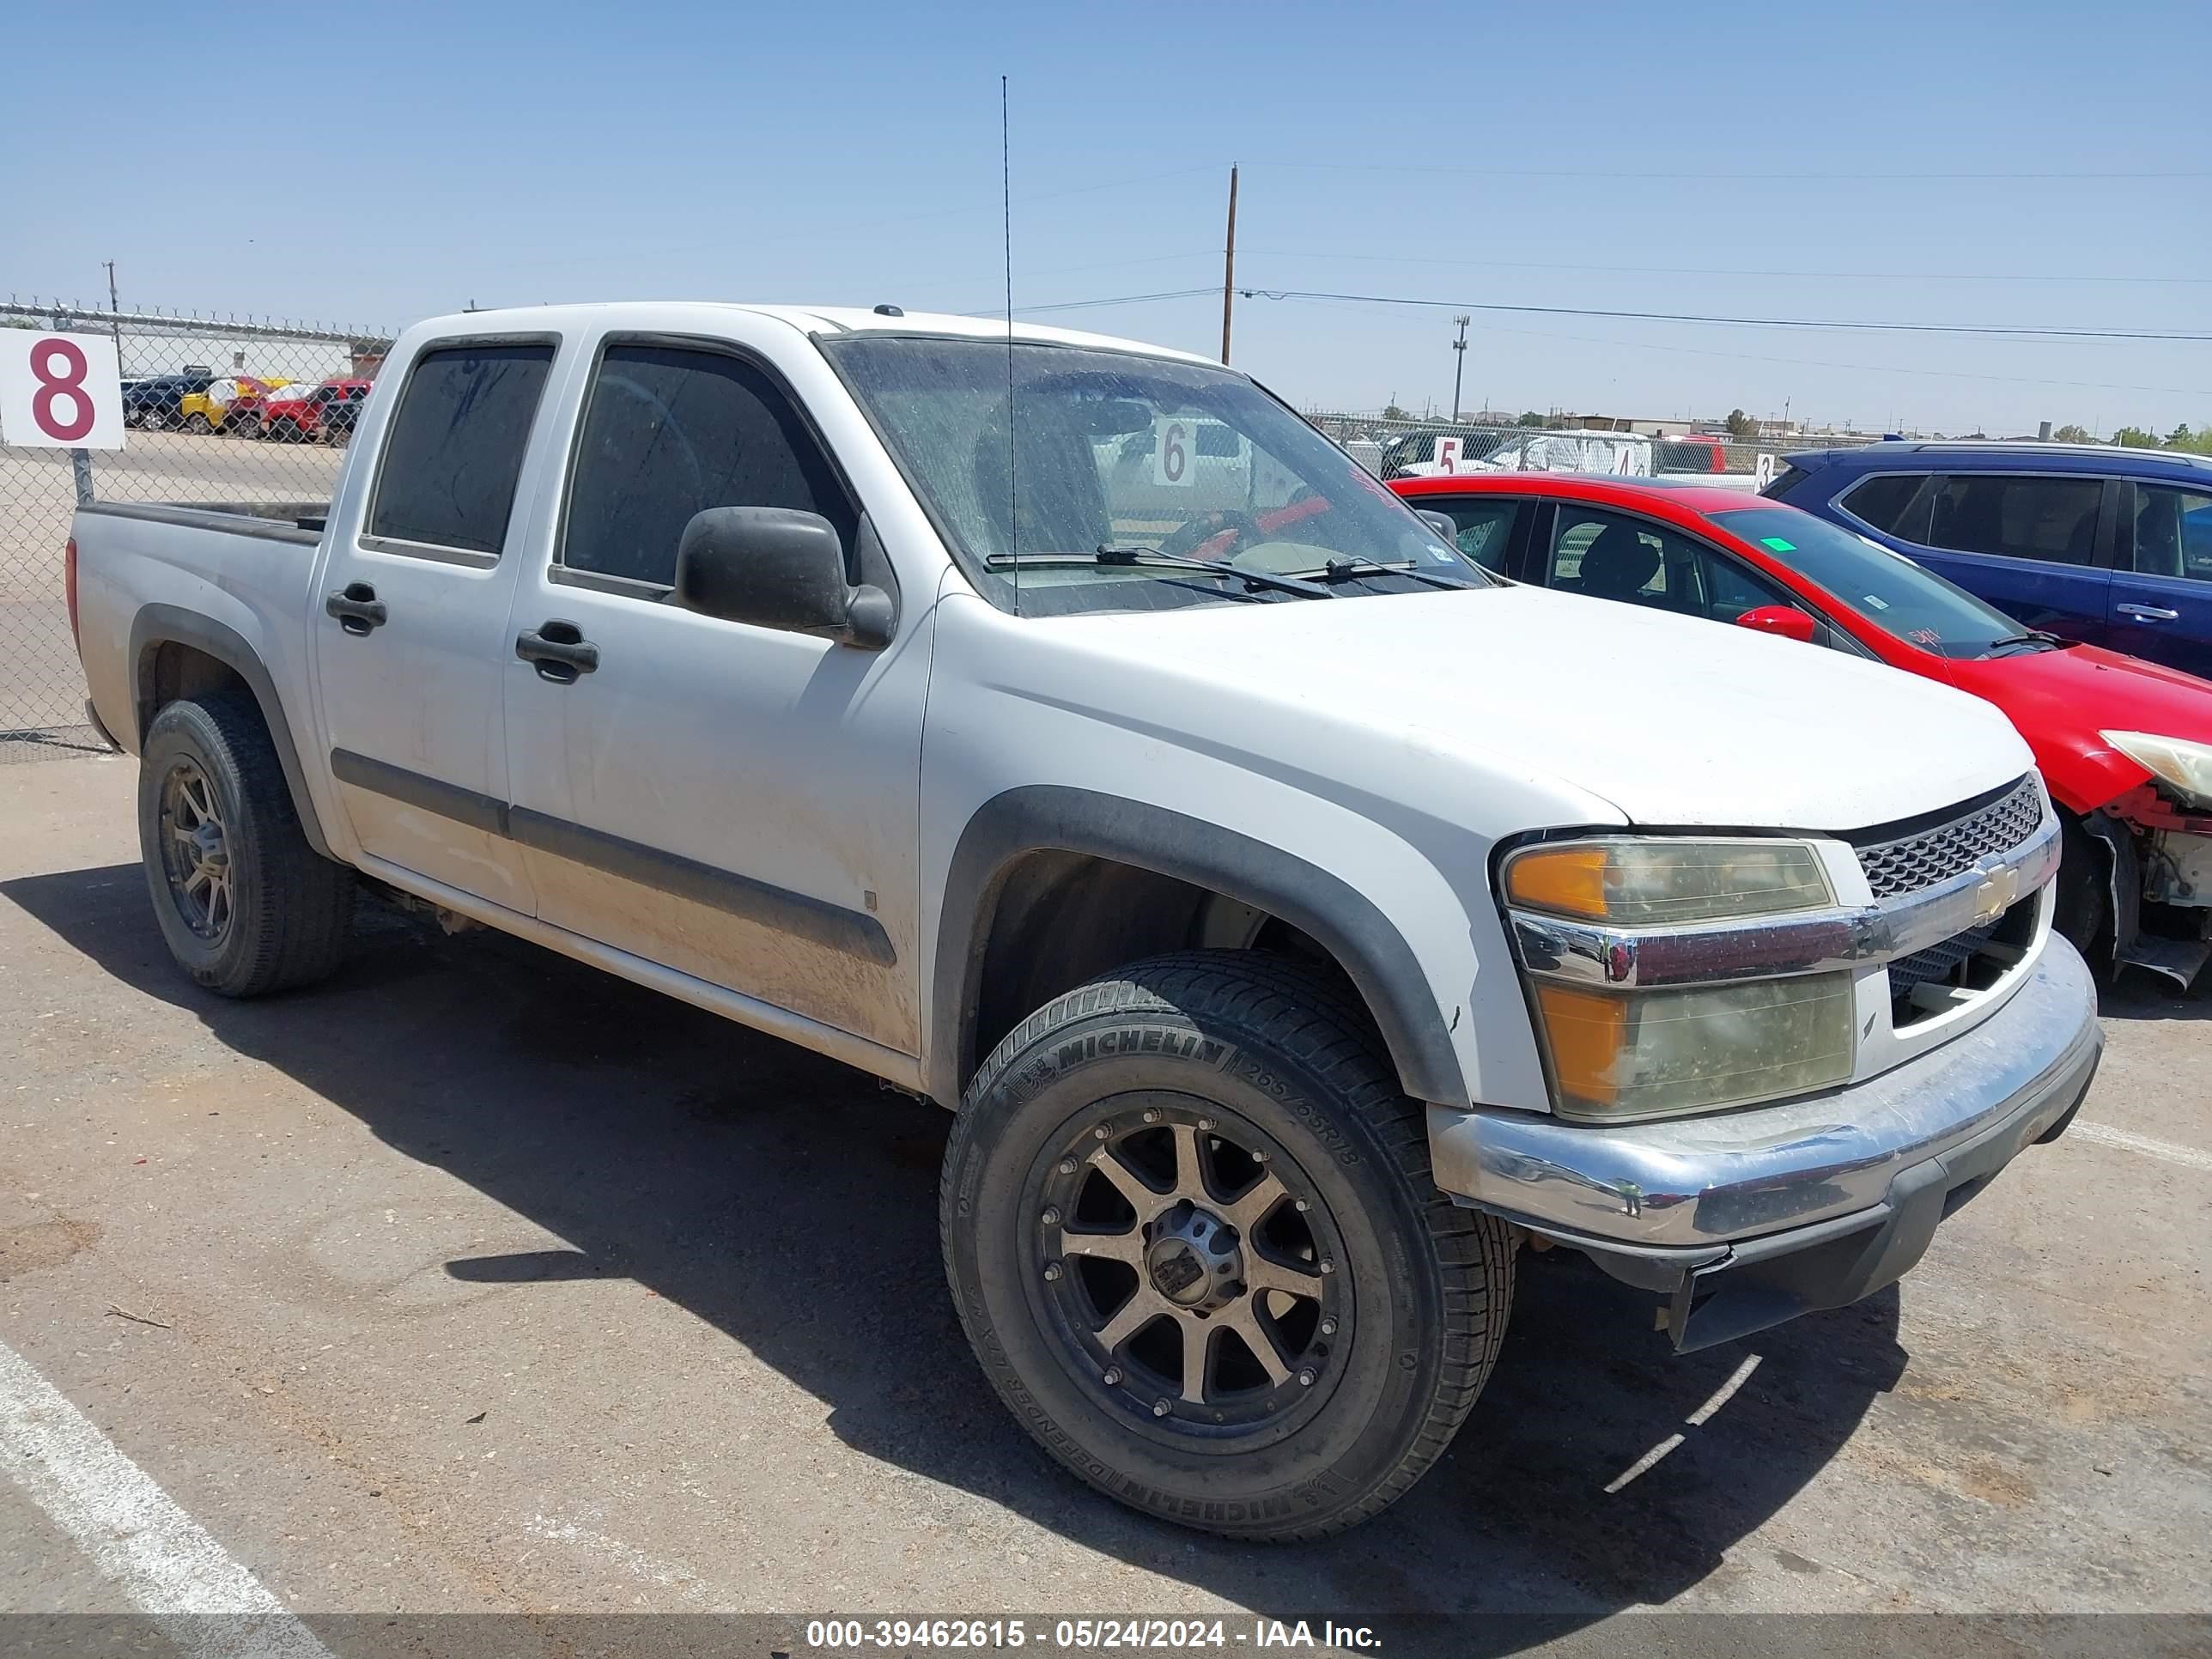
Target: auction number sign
{"points": [[1447, 453], [1171, 456], [59, 391]]}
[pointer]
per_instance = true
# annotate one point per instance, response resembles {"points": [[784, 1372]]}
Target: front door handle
{"points": [[559, 651], [2148, 612], [357, 608]]}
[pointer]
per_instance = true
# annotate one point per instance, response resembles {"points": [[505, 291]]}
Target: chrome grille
{"points": [[1921, 859]]}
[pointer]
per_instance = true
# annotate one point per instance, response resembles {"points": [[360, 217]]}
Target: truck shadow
{"points": [[791, 1203]]}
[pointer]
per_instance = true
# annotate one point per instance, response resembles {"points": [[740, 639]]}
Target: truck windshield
{"points": [[1890, 590], [1131, 454]]}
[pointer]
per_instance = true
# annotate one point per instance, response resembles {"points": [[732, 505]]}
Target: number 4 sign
{"points": [[59, 391]]}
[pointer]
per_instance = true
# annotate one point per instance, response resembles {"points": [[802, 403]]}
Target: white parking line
{"points": [[2188, 1157], [164, 1561]]}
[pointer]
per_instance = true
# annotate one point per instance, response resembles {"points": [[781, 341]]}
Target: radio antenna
{"points": [[1006, 230]]}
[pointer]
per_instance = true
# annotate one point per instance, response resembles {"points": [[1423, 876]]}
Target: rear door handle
{"points": [[2148, 612], [357, 608], [559, 651]]}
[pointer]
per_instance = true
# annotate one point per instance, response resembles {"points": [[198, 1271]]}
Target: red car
{"points": [[302, 414], [2124, 746]]}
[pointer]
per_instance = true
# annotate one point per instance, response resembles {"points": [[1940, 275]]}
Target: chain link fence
{"points": [[216, 410], [1402, 447]]}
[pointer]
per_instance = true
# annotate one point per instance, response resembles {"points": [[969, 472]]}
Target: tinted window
{"points": [[1610, 555], [670, 432], [453, 452], [2174, 532], [1896, 504], [1886, 588], [2053, 519], [1485, 527]]}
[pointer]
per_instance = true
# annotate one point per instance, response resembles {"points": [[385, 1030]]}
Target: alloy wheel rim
{"points": [[1190, 1269], [196, 853]]}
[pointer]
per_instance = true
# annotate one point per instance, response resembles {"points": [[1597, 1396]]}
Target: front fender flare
{"points": [[157, 625], [1053, 817]]}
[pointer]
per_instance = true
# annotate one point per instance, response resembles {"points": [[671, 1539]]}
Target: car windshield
{"points": [[1886, 588], [1164, 464]]}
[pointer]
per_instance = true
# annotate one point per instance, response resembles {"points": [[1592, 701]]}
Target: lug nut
{"points": [[1051, 1218], [1152, 1114], [1327, 1265], [1328, 1328], [1067, 1166], [1205, 1124], [1301, 1206], [1160, 1409], [1051, 1271], [1112, 1376], [1102, 1132], [1261, 1156], [1305, 1379]]}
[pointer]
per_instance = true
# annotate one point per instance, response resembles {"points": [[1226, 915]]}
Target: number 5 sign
{"points": [[59, 391]]}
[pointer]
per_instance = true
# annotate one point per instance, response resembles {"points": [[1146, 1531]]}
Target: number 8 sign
{"points": [[59, 391]]}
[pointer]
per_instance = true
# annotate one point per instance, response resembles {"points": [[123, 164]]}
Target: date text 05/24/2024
{"points": [[833, 1635]]}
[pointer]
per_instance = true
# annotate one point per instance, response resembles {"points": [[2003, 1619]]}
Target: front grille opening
{"points": [[1922, 858], [1957, 970]]}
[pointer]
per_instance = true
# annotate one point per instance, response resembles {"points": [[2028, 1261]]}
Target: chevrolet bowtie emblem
{"points": [[1995, 895]]}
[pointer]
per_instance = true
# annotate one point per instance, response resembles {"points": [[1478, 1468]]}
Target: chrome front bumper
{"points": [[1747, 1218]]}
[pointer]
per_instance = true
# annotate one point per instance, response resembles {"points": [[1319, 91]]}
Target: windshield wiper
{"points": [[1145, 557], [1337, 570], [2033, 637]]}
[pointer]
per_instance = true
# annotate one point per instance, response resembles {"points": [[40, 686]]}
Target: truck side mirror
{"points": [[776, 566], [1786, 620], [1442, 523]]}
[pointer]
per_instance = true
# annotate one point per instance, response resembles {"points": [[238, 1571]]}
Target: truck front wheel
{"points": [[247, 906], [1188, 1220]]}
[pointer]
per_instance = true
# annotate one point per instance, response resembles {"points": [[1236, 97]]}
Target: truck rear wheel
{"points": [[246, 905], [1188, 1220]]}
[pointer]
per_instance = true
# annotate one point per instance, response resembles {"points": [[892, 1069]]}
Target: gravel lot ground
{"points": [[485, 1283]]}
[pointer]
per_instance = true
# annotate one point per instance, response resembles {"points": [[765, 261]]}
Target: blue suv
{"points": [[2112, 546]]}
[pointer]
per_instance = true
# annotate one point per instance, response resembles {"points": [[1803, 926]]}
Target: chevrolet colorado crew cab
{"points": [[1299, 920]]}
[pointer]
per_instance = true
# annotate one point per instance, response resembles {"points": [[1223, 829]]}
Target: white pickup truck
{"points": [[1299, 921]]}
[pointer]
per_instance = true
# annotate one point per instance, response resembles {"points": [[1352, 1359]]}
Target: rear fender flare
{"points": [[157, 625]]}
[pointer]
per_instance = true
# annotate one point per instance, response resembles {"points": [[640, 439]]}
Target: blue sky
{"points": [[1796, 161]]}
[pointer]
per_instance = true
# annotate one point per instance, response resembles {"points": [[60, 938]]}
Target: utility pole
{"points": [[114, 313], [1229, 265], [1459, 364]]}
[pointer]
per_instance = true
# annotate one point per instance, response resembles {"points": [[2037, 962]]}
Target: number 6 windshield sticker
{"points": [[59, 391], [1171, 455]]}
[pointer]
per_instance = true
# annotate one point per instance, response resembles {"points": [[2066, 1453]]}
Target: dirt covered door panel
{"points": [[735, 802]]}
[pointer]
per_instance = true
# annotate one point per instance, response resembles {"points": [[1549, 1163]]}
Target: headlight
{"points": [[2186, 766], [1647, 883], [1617, 1055]]}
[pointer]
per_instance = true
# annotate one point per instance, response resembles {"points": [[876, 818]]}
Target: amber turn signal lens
{"points": [[1567, 881]]}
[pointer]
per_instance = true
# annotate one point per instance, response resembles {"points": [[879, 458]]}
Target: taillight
{"points": [[68, 590]]}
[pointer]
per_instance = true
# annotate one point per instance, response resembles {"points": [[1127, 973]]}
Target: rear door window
{"points": [[1895, 503], [1485, 526], [453, 452], [2053, 520]]}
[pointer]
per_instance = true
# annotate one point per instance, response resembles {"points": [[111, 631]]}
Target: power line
{"points": [[1725, 271], [1856, 326], [1997, 330], [1793, 176]]}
